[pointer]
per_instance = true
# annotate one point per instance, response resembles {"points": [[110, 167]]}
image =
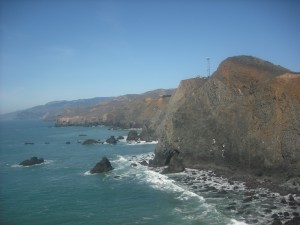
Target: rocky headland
{"points": [[125, 112], [243, 120]]}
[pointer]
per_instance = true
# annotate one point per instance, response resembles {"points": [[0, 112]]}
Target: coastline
{"points": [[285, 208], [276, 184]]}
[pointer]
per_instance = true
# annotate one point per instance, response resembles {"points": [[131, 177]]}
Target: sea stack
{"points": [[102, 166]]}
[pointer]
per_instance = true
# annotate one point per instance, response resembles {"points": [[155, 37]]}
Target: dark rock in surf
{"points": [[175, 164], [91, 142], [296, 214], [143, 163], [276, 221], [111, 140], [291, 198], [132, 136], [32, 161], [102, 166], [283, 201]]}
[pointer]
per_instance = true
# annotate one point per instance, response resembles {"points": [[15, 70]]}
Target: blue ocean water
{"points": [[61, 190]]}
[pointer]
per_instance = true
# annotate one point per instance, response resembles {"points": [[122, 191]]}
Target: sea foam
{"points": [[235, 222], [88, 173]]}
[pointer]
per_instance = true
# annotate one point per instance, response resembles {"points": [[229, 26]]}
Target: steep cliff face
{"points": [[246, 115]]}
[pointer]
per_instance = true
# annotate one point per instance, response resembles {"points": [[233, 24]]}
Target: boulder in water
{"points": [[91, 142], [102, 166], [33, 161], [132, 136], [111, 140]]}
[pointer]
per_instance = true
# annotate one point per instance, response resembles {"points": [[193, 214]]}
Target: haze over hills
{"points": [[50, 110], [85, 107], [127, 111]]}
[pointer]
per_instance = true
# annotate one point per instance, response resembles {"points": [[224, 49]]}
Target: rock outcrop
{"points": [[132, 135], [102, 166], [91, 142], [245, 116], [33, 161], [112, 140]]}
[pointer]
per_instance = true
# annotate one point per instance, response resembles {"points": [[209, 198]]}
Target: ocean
{"points": [[61, 191]]}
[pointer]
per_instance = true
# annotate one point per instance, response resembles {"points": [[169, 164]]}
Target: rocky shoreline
{"points": [[238, 194], [221, 181], [278, 184]]}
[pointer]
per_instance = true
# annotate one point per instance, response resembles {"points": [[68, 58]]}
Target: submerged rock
{"points": [[102, 166], [28, 143], [33, 161]]}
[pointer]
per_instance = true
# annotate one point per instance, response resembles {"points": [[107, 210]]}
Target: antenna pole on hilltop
{"points": [[208, 66]]}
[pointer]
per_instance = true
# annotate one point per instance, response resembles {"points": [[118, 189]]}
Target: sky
{"points": [[74, 49]]}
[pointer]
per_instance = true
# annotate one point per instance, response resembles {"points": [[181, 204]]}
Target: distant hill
{"points": [[51, 110], [127, 111]]}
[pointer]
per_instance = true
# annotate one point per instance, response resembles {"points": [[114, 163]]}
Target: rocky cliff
{"points": [[128, 111], [245, 116]]}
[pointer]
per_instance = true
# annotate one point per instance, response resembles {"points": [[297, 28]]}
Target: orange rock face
{"points": [[246, 115]]}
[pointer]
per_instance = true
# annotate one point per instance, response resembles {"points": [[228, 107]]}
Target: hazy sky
{"points": [[65, 50]]}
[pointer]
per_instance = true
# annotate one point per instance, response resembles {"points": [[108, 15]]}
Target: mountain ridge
{"points": [[50, 110], [126, 111]]}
